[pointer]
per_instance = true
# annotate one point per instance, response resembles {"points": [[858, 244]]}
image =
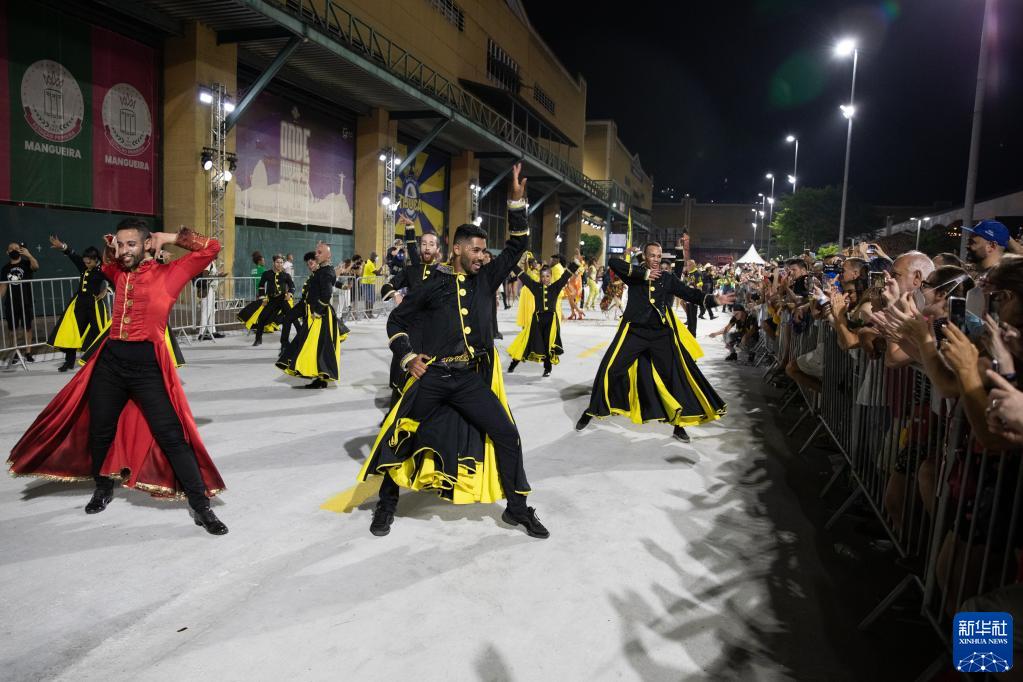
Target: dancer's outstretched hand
{"points": [[518, 189]]}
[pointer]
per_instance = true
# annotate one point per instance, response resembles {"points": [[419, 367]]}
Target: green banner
{"points": [[50, 69]]}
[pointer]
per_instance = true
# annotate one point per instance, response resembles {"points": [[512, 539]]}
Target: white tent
{"points": [[751, 257]]}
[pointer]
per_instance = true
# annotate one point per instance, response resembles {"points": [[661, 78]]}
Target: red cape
{"points": [[57, 444]]}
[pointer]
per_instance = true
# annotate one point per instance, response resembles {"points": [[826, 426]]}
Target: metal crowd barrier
{"points": [[950, 506], [33, 306], [205, 306]]}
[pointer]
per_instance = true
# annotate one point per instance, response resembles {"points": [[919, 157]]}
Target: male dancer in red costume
{"points": [[124, 416]]}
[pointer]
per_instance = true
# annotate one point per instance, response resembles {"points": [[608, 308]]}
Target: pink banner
{"points": [[124, 137]]}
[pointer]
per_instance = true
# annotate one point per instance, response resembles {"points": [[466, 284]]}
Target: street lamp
{"points": [[844, 48], [795, 161], [770, 205]]}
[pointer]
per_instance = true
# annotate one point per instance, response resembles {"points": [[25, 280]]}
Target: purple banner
{"points": [[294, 165]]}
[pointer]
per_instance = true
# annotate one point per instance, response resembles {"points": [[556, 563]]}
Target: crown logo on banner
{"points": [[53, 77], [127, 99]]}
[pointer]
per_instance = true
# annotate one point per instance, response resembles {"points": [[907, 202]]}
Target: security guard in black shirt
{"points": [[452, 427]]}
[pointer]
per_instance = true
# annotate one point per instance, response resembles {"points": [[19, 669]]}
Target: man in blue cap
{"points": [[987, 244]]}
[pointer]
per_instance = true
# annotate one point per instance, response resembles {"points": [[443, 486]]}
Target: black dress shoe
{"points": [[218, 335], [382, 520], [257, 342], [529, 521], [65, 367], [100, 499], [315, 383], [29, 357], [499, 335], [680, 434], [546, 372], [583, 422], [732, 357], [512, 366], [208, 520]]}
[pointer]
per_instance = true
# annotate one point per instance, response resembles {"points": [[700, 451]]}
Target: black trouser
{"points": [[709, 304], [691, 317], [129, 371], [271, 311], [291, 316], [465, 392], [496, 332]]}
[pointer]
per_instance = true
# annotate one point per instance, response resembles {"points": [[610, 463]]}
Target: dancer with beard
{"points": [[86, 316], [421, 264], [124, 416], [276, 289], [452, 430], [649, 372], [316, 351], [540, 340]]}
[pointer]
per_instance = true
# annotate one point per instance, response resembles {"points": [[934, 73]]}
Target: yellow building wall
{"points": [[422, 30], [190, 61]]}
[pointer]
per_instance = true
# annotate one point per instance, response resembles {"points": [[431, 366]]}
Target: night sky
{"points": [[706, 92]]}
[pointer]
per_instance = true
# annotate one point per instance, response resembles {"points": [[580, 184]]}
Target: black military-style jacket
{"points": [[91, 281], [650, 300], [273, 284], [319, 288], [413, 274], [304, 297], [546, 297], [454, 313]]}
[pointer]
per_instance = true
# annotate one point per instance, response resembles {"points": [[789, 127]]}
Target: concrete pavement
{"points": [[666, 561]]}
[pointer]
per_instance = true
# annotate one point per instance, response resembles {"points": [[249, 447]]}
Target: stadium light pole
{"points": [[795, 161], [843, 49]]}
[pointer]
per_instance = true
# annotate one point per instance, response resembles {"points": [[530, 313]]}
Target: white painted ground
{"points": [[666, 561]]}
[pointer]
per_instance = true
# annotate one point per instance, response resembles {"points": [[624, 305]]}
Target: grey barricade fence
{"points": [[949, 505], [30, 310]]}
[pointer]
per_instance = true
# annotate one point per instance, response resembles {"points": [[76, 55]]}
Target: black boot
{"points": [[583, 422], [100, 499], [527, 520], [547, 368], [205, 517], [382, 520], [512, 366], [680, 434]]}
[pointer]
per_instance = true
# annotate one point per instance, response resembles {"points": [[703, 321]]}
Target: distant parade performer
{"points": [[295, 315], [421, 263], [452, 430], [124, 417], [275, 291], [86, 317], [649, 372], [540, 339], [524, 313], [316, 351]]}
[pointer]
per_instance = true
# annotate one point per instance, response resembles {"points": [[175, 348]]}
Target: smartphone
{"points": [[877, 280], [871, 250], [957, 312]]}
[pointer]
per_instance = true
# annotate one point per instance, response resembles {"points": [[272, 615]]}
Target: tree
{"points": [[592, 247], [809, 218]]}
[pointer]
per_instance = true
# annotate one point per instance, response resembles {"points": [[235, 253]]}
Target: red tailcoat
{"points": [[57, 444]]}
